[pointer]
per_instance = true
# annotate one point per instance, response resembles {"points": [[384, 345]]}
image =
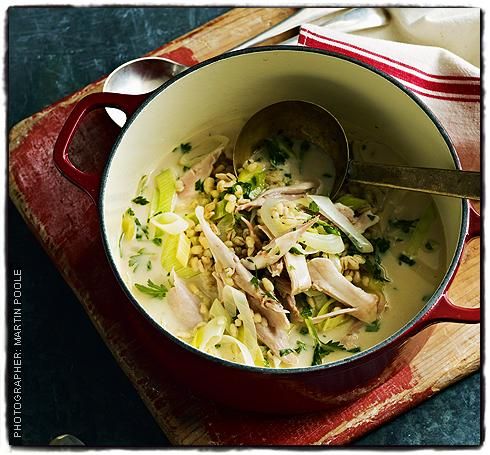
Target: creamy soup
{"points": [[260, 267]]}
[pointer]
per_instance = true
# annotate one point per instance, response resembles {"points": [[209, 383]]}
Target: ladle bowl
{"points": [[301, 120]]}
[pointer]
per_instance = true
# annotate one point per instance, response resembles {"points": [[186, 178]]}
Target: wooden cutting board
{"points": [[65, 221]]}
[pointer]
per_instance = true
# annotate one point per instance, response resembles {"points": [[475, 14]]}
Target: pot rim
{"points": [[299, 370]]}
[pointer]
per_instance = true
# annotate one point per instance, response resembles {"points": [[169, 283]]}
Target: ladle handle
{"points": [[448, 182]]}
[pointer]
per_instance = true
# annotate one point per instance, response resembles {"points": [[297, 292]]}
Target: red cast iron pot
{"points": [[234, 86]]}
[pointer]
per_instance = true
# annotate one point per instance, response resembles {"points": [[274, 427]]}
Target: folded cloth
{"points": [[446, 83]]}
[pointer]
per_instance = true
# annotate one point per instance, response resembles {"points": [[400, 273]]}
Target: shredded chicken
{"points": [[184, 304], [298, 272], [277, 248], [199, 171], [283, 287], [276, 268], [326, 278], [351, 338], [293, 191], [361, 223], [241, 276], [276, 340]]}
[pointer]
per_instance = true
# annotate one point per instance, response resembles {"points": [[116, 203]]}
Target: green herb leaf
{"points": [[431, 245], [199, 186], [373, 327], [255, 281], [186, 148], [294, 250], [140, 200], [323, 349], [381, 245], [405, 259], [306, 312], [278, 148], [140, 230], [326, 227], [158, 291], [314, 207], [136, 259], [157, 241], [403, 225], [286, 351], [300, 346]]}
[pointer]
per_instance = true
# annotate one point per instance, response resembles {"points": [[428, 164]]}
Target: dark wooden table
{"points": [[71, 382]]}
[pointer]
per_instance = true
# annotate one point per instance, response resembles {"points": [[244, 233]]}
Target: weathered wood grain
{"points": [[65, 222]]}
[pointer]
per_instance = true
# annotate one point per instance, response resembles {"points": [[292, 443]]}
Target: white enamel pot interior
{"points": [[236, 85]]}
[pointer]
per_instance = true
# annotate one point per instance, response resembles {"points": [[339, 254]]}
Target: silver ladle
{"points": [[302, 120]]}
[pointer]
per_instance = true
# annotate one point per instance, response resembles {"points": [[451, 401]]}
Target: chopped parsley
{"points": [[404, 225], [373, 327], [136, 259], [314, 207], [323, 349], [247, 187], [271, 295], [381, 245], [431, 245], [326, 228], [157, 241], [286, 351], [300, 346], [158, 291], [303, 330], [406, 260], [140, 200], [140, 230], [183, 148], [306, 311], [199, 186], [294, 250], [255, 281], [278, 148]]}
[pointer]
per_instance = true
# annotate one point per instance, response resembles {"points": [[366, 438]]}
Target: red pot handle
{"points": [[444, 310], [89, 182]]}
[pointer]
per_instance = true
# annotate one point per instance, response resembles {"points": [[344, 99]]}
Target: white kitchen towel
{"points": [[446, 83]]}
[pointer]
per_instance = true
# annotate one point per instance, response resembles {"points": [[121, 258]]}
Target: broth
{"points": [[406, 293]]}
